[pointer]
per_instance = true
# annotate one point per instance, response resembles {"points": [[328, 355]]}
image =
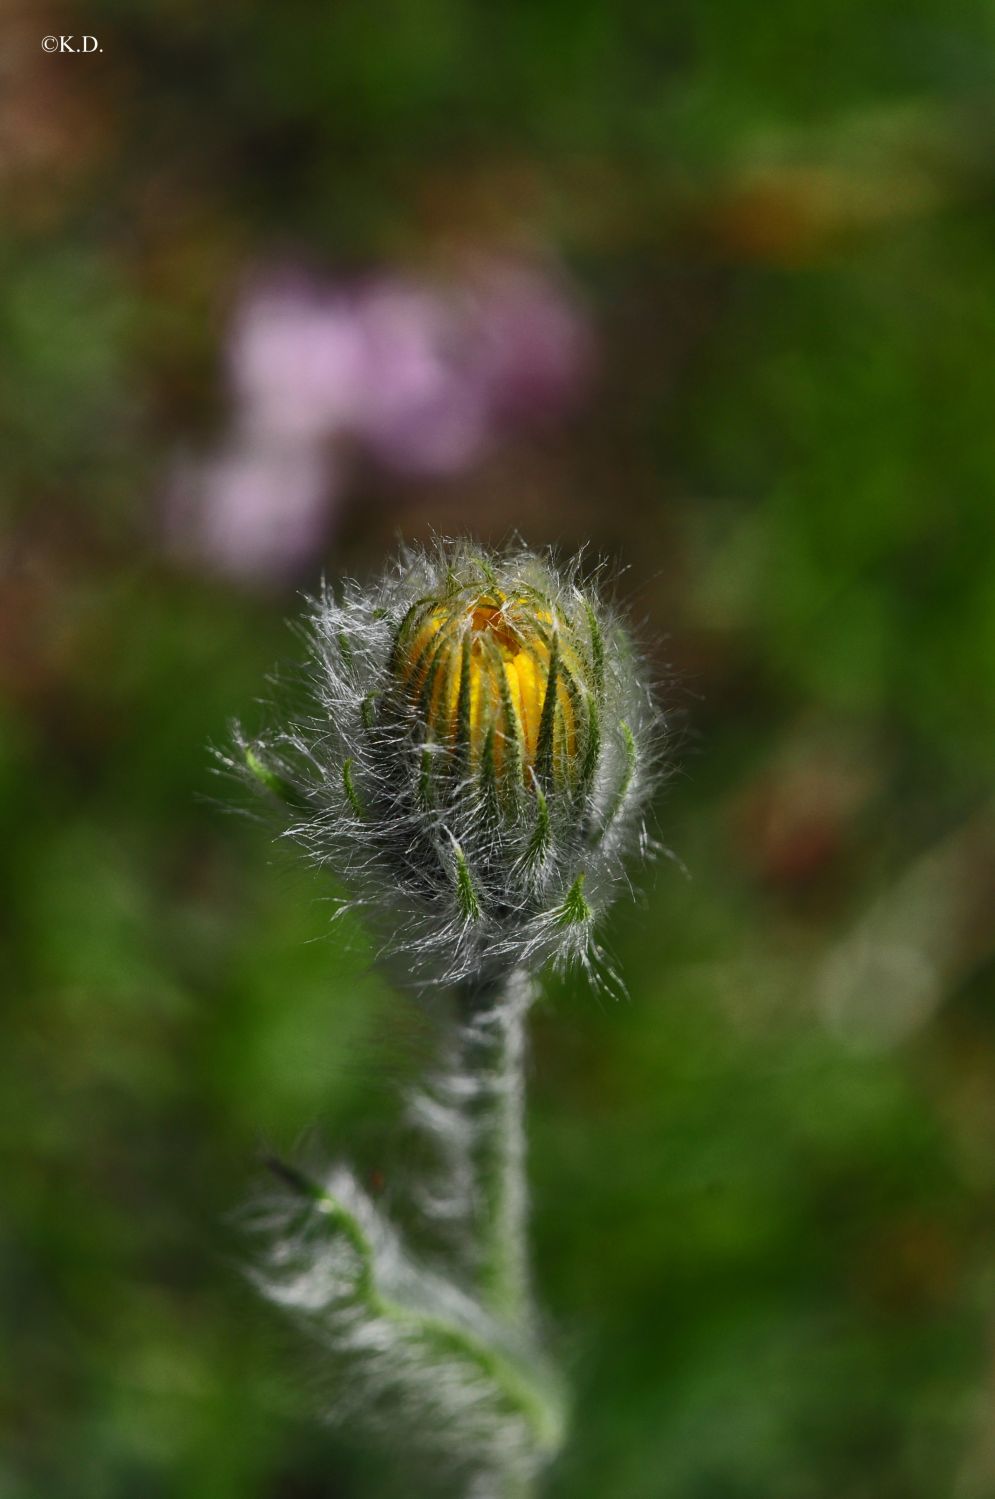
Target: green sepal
{"points": [[463, 699], [399, 635], [574, 909], [597, 650], [273, 781], [488, 775], [622, 790], [349, 787], [425, 794], [539, 839], [428, 686], [592, 749], [566, 763], [547, 721], [466, 895], [431, 646], [512, 768], [439, 659]]}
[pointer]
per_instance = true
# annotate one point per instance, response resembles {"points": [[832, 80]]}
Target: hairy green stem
{"points": [[474, 1113], [492, 1059]]}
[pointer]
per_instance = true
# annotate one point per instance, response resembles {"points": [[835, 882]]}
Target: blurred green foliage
{"points": [[763, 1202]]}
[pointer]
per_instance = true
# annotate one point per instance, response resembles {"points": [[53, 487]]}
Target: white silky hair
{"points": [[414, 1344], [452, 891]]}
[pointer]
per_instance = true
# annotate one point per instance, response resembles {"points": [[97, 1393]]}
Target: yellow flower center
{"points": [[492, 675]]}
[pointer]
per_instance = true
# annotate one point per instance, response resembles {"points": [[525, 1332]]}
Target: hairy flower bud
{"points": [[476, 760]]}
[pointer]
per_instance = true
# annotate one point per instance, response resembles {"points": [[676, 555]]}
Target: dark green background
{"points": [[764, 1225]]}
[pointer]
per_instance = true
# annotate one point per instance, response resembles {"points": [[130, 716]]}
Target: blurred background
{"points": [[710, 290]]}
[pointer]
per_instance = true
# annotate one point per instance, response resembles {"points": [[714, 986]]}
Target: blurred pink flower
{"points": [[422, 408], [534, 349], [297, 359], [256, 512], [423, 376]]}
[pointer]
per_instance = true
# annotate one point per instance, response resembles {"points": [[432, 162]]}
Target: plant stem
{"points": [[491, 1060], [473, 1113]]}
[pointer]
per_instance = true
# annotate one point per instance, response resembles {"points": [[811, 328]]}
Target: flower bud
{"points": [[476, 760]]}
